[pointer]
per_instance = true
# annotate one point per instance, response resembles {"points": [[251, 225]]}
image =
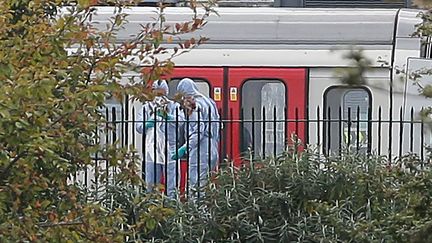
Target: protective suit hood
{"points": [[161, 84], [188, 87]]}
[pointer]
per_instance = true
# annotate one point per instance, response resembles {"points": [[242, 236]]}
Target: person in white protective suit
{"points": [[161, 128], [202, 138]]}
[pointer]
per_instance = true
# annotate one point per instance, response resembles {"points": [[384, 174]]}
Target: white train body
{"points": [[312, 41]]}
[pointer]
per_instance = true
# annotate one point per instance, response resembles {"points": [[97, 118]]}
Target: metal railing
{"points": [[253, 135]]}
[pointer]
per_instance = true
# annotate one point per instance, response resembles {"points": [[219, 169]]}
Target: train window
{"points": [[352, 128], [203, 87], [260, 98]]}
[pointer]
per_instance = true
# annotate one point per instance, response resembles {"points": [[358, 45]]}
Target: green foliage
{"points": [[307, 198], [359, 65], [56, 72]]}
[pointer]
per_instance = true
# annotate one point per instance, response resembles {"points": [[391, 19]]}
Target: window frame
{"points": [[326, 144], [241, 99], [204, 80]]}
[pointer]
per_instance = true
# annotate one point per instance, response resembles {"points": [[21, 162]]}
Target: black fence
{"points": [[180, 151]]}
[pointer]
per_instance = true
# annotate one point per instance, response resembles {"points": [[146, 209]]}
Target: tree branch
{"points": [[4, 173]]}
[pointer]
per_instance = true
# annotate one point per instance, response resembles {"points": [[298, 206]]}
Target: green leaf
{"points": [[84, 3]]}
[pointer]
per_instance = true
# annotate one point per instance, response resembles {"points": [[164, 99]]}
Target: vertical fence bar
{"points": [[296, 125], [127, 119], [358, 130], [221, 148], [412, 130], [390, 134], [243, 134], [286, 125], [349, 129], [422, 140], [187, 157], [296, 122], [177, 161], [107, 122], [133, 133], [263, 138], [96, 175], [318, 126], [122, 126], [126, 136], [328, 139], [114, 135], [231, 134], [307, 125], [210, 136], [379, 130], [401, 127], [253, 132], [165, 171], [340, 128], [133, 126], [369, 130], [143, 145], [156, 123], [274, 132], [198, 186]]}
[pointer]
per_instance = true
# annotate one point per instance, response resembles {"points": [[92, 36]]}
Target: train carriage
{"points": [[279, 64]]}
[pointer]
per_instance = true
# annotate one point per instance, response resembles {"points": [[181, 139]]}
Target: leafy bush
{"points": [[308, 198], [58, 68]]}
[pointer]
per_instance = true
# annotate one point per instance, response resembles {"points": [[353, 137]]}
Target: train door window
{"points": [[350, 130], [203, 87], [263, 101]]}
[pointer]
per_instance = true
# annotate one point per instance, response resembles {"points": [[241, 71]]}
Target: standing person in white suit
{"points": [[202, 137], [160, 115]]}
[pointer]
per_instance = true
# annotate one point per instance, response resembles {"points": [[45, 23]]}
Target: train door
{"points": [[267, 106], [210, 83]]}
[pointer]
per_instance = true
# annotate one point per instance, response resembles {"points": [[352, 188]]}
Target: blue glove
{"points": [[165, 115], [149, 124], [180, 153]]}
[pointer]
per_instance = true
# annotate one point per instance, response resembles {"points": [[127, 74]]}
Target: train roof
{"points": [[285, 26]]}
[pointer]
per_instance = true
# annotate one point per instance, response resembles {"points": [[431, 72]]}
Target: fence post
{"points": [[143, 147], [340, 127], [379, 129], [263, 132], [167, 157], [274, 133], [401, 127], [349, 129], [198, 185], [327, 141], [253, 133], [412, 130], [358, 130], [114, 133], [318, 128]]}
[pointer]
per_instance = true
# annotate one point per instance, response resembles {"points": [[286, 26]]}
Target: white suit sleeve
{"points": [[139, 122], [140, 119]]}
